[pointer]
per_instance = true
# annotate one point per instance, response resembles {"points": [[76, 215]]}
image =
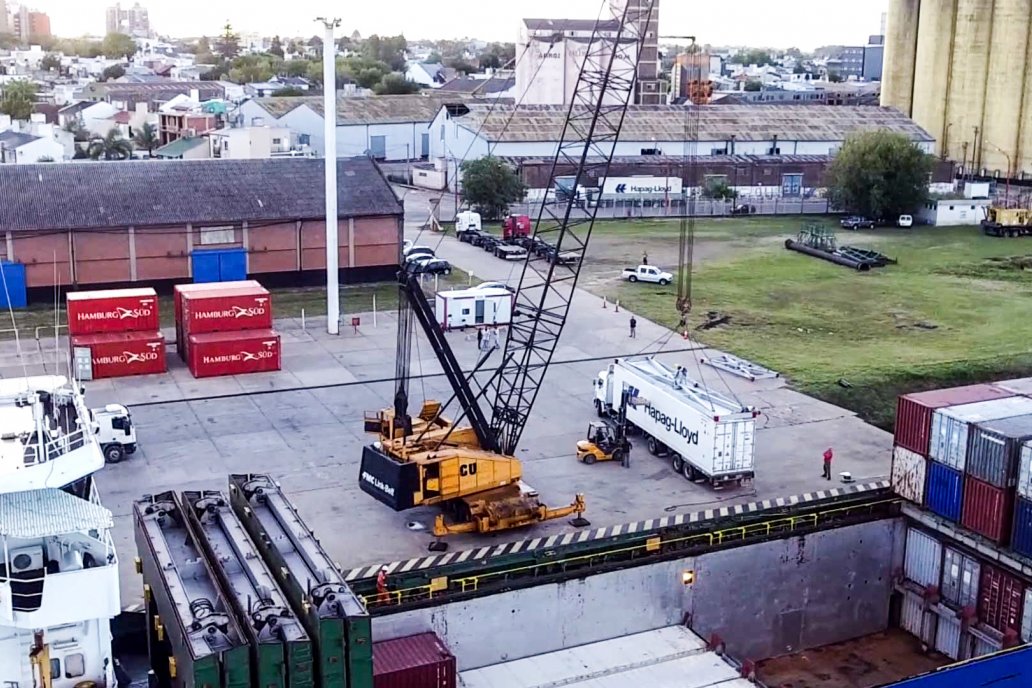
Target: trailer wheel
{"points": [[652, 445], [688, 471], [677, 463]]}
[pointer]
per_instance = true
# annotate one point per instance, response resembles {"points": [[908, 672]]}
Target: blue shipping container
{"points": [[945, 492], [1021, 534], [12, 286], [1009, 669], [219, 265]]}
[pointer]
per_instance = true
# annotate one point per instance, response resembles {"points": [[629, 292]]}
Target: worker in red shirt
{"points": [[381, 585], [827, 463]]}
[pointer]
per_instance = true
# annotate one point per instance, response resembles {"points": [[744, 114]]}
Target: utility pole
{"points": [[330, 150]]}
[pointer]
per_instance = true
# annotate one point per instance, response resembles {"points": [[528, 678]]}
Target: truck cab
{"points": [[115, 431], [648, 273], [467, 223], [515, 227]]}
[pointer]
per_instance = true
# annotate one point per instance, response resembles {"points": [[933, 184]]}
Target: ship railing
{"points": [[27, 590]]}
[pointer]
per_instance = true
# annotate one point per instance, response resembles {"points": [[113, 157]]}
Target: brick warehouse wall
{"points": [[126, 255]]}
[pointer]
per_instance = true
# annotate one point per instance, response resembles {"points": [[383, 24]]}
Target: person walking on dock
{"points": [[480, 338], [634, 327], [381, 585], [828, 454]]}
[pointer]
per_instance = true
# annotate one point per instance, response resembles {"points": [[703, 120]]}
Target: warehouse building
{"points": [[142, 222], [533, 131]]}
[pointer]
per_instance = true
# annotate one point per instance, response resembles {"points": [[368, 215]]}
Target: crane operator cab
{"points": [[115, 431], [604, 442]]}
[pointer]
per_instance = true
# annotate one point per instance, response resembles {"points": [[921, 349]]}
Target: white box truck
{"points": [[473, 307], [709, 437]]}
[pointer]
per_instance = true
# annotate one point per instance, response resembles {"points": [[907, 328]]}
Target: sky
{"points": [[805, 24]]}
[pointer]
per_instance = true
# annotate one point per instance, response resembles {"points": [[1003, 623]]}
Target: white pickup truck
{"points": [[648, 273]]}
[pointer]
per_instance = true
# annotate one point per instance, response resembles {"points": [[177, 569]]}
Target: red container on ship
{"points": [[988, 510], [415, 661], [177, 300], [914, 411], [113, 310], [226, 310], [233, 353], [124, 353], [1000, 599]]}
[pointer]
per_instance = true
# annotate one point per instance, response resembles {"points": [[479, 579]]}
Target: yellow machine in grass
{"points": [[604, 442], [1008, 222]]}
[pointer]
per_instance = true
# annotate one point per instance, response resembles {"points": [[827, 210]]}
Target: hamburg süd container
{"points": [[944, 494], [112, 310], [922, 560], [1021, 535], [226, 310], [994, 449], [1025, 470], [122, 354], [415, 661], [909, 473], [988, 510], [234, 353], [951, 426], [177, 302], [1021, 385], [914, 411], [960, 578], [1000, 599]]}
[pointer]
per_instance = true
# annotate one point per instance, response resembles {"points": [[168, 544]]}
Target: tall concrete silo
{"points": [[932, 67], [900, 52], [1023, 158], [965, 98], [1004, 94]]}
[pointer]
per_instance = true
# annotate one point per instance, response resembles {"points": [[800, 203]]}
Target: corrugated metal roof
{"points": [[666, 658], [716, 122], [351, 110], [571, 24], [122, 194], [180, 146], [39, 513]]}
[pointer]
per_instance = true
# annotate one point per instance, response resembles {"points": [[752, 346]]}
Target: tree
{"points": [[295, 67], [8, 41], [276, 48], [203, 45], [251, 68], [146, 138], [753, 57], [835, 78], [718, 188], [50, 63], [18, 99], [753, 86], [879, 174], [228, 44], [110, 147], [116, 45], [460, 65], [75, 127], [490, 186], [388, 49], [115, 71], [365, 72], [395, 84], [288, 92]]}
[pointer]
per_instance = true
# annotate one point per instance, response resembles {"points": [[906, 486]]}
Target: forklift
{"points": [[607, 439]]}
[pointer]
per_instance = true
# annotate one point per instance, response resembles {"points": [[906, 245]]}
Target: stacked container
{"points": [[177, 300], [117, 330], [1021, 541], [226, 329], [415, 661]]}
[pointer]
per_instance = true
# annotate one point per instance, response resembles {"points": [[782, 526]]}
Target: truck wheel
{"points": [[632, 278], [653, 446], [663, 282], [113, 453], [677, 463], [688, 471]]}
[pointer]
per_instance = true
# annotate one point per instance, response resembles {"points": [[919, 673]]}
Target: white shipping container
{"points": [[1026, 617], [923, 558], [1021, 385], [984, 646], [960, 578], [711, 434], [1025, 471], [915, 620], [947, 636], [949, 438], [473, 307], [908, 474]]}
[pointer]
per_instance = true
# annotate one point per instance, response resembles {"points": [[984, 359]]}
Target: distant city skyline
{"points": [[805, 24]]}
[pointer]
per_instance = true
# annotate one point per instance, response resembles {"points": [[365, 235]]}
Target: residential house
{"points": [[186, 148], [253, 142], [126, 96], [21, 149], [185, 123], [427, 74], [235, 93], [97, 118]]}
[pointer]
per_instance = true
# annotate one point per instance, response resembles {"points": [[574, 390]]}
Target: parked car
{"points": [[648, 273], [430, 266], [495, 285], [743, 209], [419, 253], [856, 222], [905, 221]]}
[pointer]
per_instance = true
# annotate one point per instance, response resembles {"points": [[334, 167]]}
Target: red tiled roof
{"points": [[122, 117]]}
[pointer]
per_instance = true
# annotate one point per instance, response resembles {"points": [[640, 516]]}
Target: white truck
{"points": [[648, 273], [115, 431], [474, 307], [709, 437]]}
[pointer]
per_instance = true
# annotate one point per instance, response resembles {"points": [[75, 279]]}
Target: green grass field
{"points": [[956, 309]]}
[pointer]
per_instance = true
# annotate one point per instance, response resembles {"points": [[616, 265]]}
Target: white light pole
{"points": [[330, 151]]}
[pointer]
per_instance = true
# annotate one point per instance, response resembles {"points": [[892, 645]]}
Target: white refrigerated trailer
{"points": [[473, 308], [709, 437]]}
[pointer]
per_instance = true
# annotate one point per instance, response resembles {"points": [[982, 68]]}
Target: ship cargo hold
{"points": [[914, 411], [233, 353], [951, 426], [118, 354], [114, 310]]}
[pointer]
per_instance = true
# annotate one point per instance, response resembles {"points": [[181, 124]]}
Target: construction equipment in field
{"points": [[1008, 222], [467, 464]]}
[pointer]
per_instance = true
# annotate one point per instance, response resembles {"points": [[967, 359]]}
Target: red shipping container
{"points": [[233, 353], [988, 510], [113, 310], [177, 300], [123, 354], [1000, 599], [227, 310], [914, 411], [415, 661]]}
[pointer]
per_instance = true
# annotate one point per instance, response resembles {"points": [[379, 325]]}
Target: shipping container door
{"points": [[232, 265], [908, 474], [923, 558], [205, 266], [12, 285], [1025, 471], [378, 147], [915, 620], [1026, 618], [947, 637], [960, 578]]}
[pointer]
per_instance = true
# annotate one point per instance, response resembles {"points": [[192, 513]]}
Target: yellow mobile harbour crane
{"points": [[467, 464], [1008, 222]]}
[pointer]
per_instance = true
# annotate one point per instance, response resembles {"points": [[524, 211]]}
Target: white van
{"points": [[905, 221]]}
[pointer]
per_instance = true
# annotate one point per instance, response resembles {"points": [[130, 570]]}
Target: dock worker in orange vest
{"points": [[381, 585], [827, 463]]}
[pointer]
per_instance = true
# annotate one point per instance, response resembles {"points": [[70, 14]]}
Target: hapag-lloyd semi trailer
{"points": [[708, 436]]}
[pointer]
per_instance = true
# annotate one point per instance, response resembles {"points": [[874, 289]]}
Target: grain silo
{"points": [[932, 67], [1004, 93], [969, 69], [900, 50]]}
